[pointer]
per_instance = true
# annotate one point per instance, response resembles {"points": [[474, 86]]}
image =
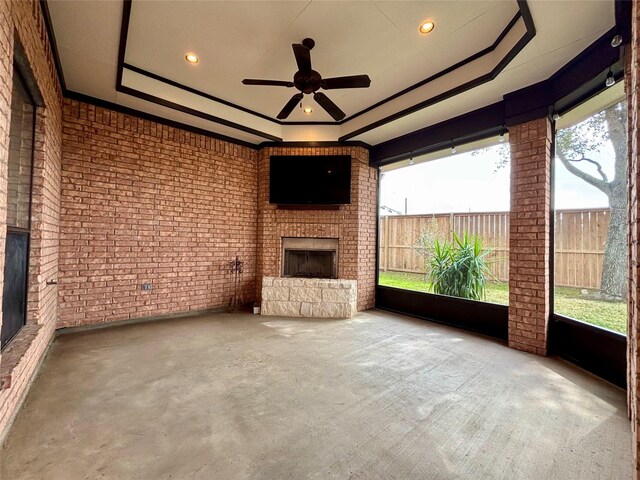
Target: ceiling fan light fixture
{"points": [[308, 110], [426, 27], [191, 58]]}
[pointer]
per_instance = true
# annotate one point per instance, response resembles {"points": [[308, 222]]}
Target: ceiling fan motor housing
{"points": [[307, 82]]}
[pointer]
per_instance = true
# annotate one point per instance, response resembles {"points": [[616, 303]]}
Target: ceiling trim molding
{"points": [[523, 12], [122, 43], [213, 98], [44, 7], [453, 67], [186, 88], [71, 95], [81, 97], [479, 124], [577, 81], [563, 81], [520, 44], [193, 112], [354, 143], [162, 120], [122, 48]]}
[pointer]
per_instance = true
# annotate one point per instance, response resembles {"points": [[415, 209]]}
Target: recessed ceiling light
{"points": [[308, 110], [426, 27], [191, 58]]}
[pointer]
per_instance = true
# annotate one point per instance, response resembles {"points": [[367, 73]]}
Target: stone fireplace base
{"points": [[309, 297]]}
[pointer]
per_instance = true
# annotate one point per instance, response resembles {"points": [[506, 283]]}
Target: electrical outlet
{"points": [[147, 286]]}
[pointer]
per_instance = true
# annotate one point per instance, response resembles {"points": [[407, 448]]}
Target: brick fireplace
{"points": [[352, 227]]}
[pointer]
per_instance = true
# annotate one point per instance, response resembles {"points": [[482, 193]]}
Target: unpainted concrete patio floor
{"points": [[380, 396]]}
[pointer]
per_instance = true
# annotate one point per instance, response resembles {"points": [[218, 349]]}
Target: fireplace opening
{"points": [[309, 257], [309, 264]]}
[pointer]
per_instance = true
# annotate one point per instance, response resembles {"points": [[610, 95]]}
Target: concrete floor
{"points": [[380, 396]]}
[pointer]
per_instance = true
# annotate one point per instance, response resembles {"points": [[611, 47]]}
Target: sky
{"points": [[469, 182]]}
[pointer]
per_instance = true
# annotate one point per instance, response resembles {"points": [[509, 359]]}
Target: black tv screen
{"points": [[310, 180]]}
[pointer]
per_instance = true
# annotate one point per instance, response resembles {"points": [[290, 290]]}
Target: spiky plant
{"points": [[459, 268]]}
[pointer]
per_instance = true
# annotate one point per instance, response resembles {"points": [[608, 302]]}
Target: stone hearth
{"points": [[309, 297]]}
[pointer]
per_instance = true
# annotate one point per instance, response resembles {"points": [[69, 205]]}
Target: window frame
{"points": [[19, 75]]}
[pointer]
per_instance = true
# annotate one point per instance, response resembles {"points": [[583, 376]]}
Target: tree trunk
{"points": [[613, 282], [615, 267]]}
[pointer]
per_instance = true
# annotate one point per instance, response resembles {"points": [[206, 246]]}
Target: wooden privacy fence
{"points": [[579, 242]]}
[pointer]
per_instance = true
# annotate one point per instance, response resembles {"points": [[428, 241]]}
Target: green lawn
{"points": [[570, 302]]}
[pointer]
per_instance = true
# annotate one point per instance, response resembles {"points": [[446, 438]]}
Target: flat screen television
{"points": [[310, 180]]}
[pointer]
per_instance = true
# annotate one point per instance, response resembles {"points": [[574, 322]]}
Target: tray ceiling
{"points": [[479, 51]]}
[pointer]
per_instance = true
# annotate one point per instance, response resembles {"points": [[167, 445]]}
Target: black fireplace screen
{"points": [[310, 263]]}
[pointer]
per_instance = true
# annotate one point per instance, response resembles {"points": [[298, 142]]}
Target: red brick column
{"points": [[529, 232]]}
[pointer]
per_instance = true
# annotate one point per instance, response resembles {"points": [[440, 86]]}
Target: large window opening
{"points": [[20, 162], [444, 223], [590, 218]]}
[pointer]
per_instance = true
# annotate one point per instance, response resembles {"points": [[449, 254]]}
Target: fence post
{"points": [[385, 243], [452, 225]]}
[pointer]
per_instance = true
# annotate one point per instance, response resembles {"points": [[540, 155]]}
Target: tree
{"points": [[575, 147]]}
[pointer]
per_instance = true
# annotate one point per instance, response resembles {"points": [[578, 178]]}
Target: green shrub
{"points": [[459, 268]]}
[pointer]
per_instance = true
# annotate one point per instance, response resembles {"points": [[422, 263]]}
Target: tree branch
{"points": [[602, 185], [593, 162]]}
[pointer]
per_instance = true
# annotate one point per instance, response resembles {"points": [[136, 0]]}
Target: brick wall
{"points": [[23, 20], [529, 235], [632, 72], [143, 202], [354, 225]]}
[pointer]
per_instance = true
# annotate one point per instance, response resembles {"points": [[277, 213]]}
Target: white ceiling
{"points": [[252, 39]]}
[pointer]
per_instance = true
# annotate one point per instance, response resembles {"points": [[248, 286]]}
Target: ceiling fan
{"points": [[309, 81]]}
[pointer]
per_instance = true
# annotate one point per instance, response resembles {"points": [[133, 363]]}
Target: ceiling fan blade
{"points": [[303, 57], [271, 83], [291, 104], [352, 81], [331, 108]]}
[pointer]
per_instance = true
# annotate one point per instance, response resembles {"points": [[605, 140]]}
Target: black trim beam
{"points": [[122, 48], [623, 10], [44, 6], [482, 123], [208, 96], [154, 118], [565, 81], [189, 128], [574, 83], [122, 44], [481, 317], [515, 50], [523, 12], [186, 88], [447, 70], [314, 144], [194, 112], [120, 108]]}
